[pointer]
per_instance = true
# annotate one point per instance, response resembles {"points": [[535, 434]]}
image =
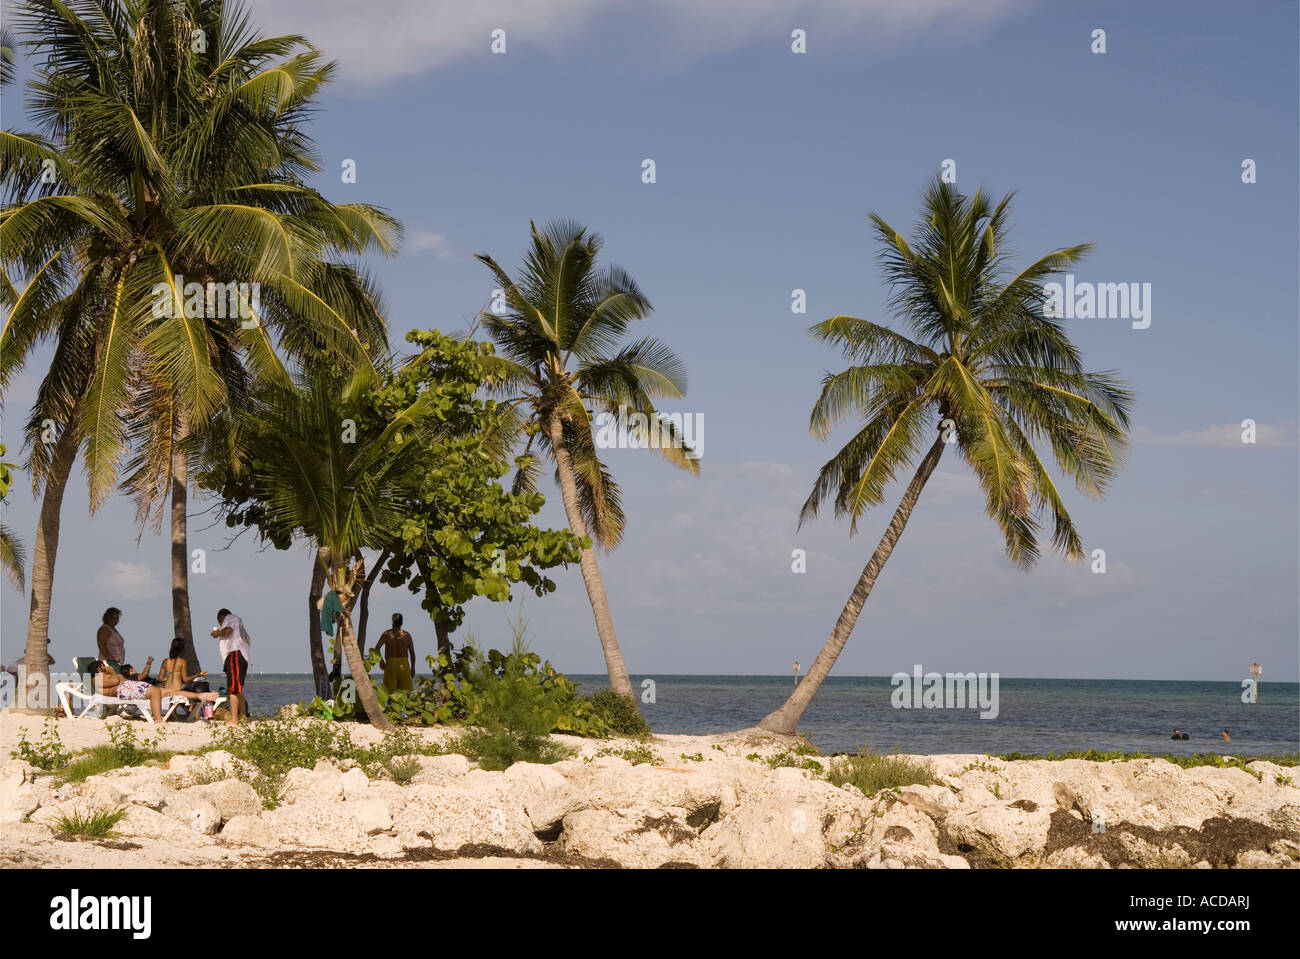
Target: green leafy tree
{"points": [[986, 369], [464, 535], [408, 468], [173, 145], [559, 337]]}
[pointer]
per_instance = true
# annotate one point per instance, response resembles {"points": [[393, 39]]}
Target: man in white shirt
{"points": [[235, 647]]}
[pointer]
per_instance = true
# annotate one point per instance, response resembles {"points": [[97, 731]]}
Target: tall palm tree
{"points": [[982, 365], [559, 338], [176, 135]]}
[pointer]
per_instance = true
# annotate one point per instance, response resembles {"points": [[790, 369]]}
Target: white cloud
{"points": [[421, 241], [384, 39], [129, 582], [1228, 435]]}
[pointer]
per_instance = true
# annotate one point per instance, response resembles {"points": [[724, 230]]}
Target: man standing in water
{"points": [[396, 647], [236, 647]]}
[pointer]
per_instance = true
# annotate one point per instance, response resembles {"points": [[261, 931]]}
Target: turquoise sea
{"points": [[1034, 716]]}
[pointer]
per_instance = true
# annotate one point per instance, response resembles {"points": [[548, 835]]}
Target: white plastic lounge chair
{"points": [[92, 700]]}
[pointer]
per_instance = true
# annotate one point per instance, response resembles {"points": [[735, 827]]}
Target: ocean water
{"points": [[1034, 716]]}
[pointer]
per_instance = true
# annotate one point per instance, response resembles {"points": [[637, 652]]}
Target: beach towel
{"points": [[327, 611]]}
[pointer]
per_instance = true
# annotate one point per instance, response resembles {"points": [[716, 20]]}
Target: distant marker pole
{"points": [[796, 674], [1255, 670]]}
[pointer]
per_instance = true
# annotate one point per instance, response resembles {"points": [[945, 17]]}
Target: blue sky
{"points": [[767, 163]]}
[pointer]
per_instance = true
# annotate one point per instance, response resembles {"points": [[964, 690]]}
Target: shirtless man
{"points": [[396, 647]]}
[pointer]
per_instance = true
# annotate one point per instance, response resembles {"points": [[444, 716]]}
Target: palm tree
{"points": [[173, 158], [559, 338], [302, 475], [983, 366]]}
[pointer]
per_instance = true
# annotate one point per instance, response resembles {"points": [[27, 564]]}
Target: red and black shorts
{"points": [[236, 667]]}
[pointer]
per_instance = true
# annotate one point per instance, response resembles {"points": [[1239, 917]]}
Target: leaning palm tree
{"points": [[983, 366], [175, 149], [559, 336]]}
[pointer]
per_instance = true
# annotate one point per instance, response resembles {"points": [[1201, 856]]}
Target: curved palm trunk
{"points": [[36, 694], [357, 666], [614, 665], [365, 602], [181, 625], [786, 719], [347, 639], [319, 672]]}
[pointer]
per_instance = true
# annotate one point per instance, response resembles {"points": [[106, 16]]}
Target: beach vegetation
{"points": [[47, 752], [872, 772], [97, 824], [620, 714], [981, 369], [514, 705], [1186, 762], [124, 748], [636, 755]]}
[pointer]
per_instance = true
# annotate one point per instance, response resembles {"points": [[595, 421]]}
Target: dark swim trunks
{"points": [[236, 667]]}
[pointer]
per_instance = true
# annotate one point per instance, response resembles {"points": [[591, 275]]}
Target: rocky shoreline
{"points": [[713, 802]]}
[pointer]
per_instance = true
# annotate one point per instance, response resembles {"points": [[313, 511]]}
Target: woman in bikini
{"points": [[173, 674]]}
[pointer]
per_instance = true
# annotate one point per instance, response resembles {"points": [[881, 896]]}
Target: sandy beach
{"points": [[727, 800]]}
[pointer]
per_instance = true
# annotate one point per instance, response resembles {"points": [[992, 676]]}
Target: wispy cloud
{"points": [[1227, 436], [130, 582], [384, 39], [421, 241]]}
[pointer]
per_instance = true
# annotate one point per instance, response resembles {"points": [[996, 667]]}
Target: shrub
{"points": [[93, 825], [403, 770], [621, 714], [516, 706], [872, 772], [47, 752]]}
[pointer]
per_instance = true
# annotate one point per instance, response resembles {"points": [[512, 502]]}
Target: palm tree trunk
{"points": [[614, 665], [786, 719], [365, 602], [181, 625], [36, 694], [319, 672], [357, 667]]}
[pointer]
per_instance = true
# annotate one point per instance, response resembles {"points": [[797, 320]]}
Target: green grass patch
{"points": [[871, 772], [90, 825]]}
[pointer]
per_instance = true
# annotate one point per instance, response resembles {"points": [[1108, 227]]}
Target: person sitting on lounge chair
{"points": [[109, 682]]}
